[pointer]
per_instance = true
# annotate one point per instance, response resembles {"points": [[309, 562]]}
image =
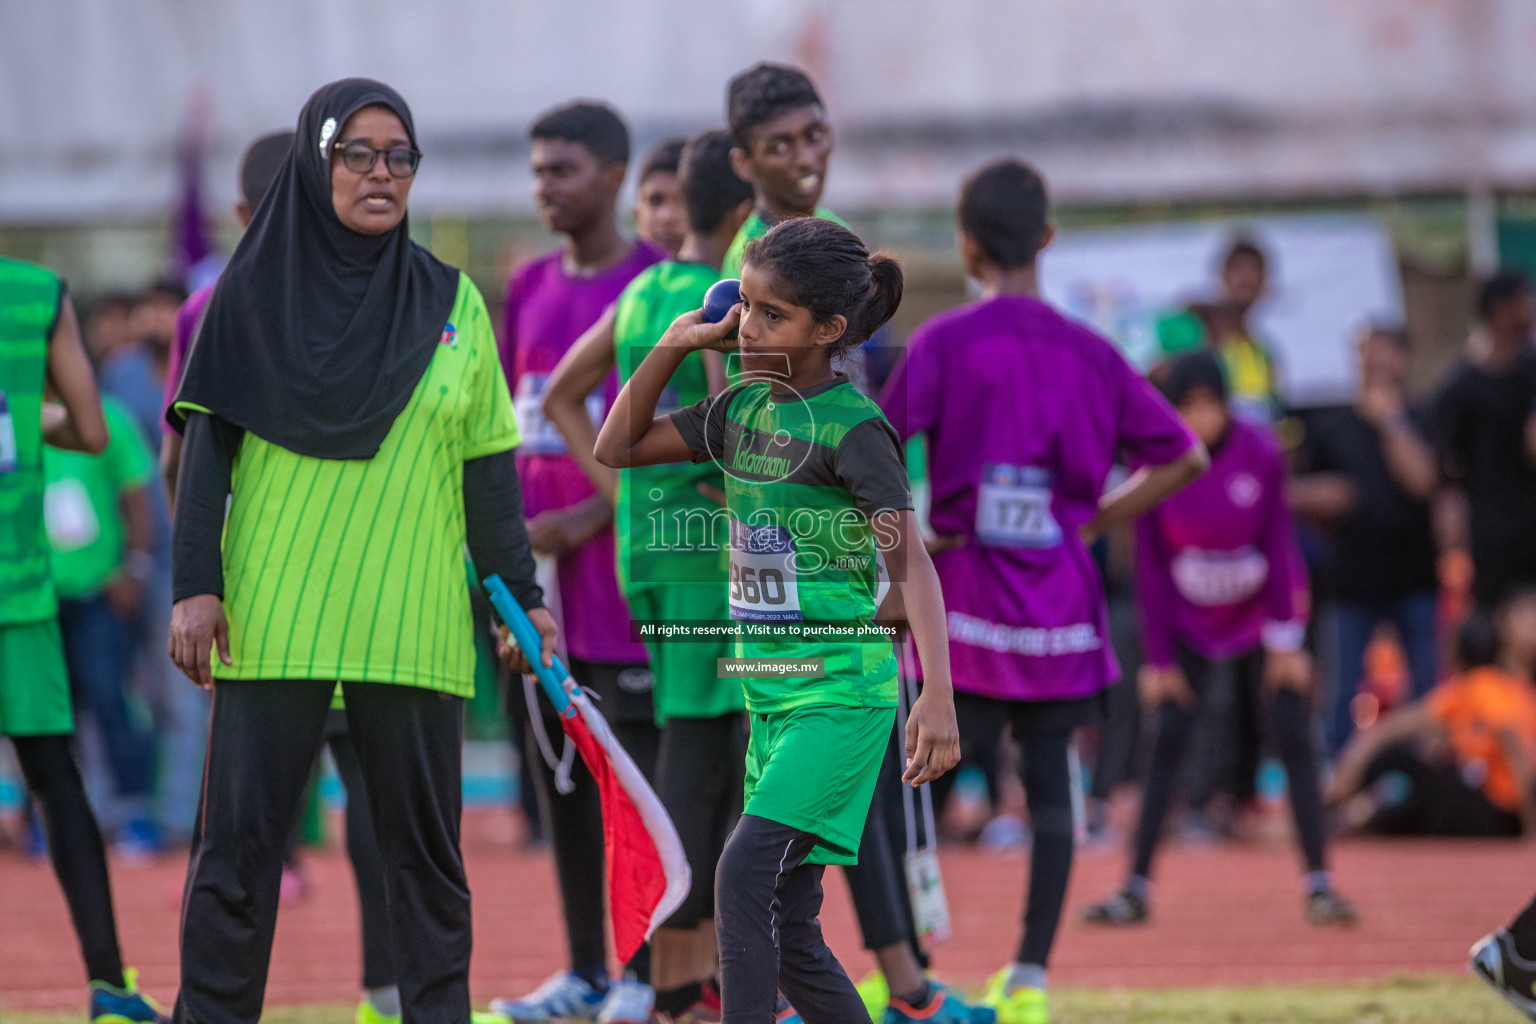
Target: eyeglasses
{"points": [[360, 158]]}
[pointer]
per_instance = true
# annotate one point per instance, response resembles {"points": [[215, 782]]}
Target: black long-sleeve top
{"points": [[495, 529]]}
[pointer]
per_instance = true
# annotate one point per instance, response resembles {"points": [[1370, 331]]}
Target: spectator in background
{"points": [[1465, 752], [1482, 423], [97, 512], [660, 216], [106, 325], [1219, 587], [1368, 472], [1224, 326], [135, 372]]}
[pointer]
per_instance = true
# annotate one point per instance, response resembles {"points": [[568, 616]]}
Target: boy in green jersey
{"points": [[818, 501], [783, 146], [669, 553], [40, 350]]}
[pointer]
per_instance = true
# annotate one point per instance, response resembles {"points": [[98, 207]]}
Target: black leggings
{"points": [[363, 851], [574, 820], [1046, 771], [1438, 803], [877, 884], [1288, 725], [262, 745], [766, 904], [74, 846], [699, 773]]}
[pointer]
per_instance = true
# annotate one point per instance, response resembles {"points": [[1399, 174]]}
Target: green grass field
{"points": [[1418, 1001]]}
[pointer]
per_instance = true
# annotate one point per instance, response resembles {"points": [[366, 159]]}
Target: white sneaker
{"points": [[564, 996], [627, 1002]]}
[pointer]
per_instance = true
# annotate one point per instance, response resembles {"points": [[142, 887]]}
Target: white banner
{"points": [[1328, 276]]}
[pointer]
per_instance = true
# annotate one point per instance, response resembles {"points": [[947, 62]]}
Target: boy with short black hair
{"points": [[660, 214], [1026, 413], [676, 573], [783, 144], [580, 155]]}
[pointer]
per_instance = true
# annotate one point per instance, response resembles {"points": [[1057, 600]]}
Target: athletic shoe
{"points": [[1495, 961], [1021, 1006], [944, 1008], [126, 1005], [783, 1013], [563, 996], [875, 993], [138, 842], [1122, 909], [1328, 908], [627, 1002], [367, 1013]]}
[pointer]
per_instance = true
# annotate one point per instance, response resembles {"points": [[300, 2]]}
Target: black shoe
{"points": [[1495, 961], [1326, 907], [1124, 908]]}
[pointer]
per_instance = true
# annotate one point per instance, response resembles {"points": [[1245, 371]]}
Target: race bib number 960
{"points": [[1013, 508], [763, 584]]}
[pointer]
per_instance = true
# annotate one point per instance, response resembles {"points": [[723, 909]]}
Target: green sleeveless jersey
{"points": [[665, 530], [30, 298], [757, 227], [804, 474]]}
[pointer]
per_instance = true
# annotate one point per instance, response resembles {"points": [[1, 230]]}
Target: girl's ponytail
{"points": [[885, 286]]}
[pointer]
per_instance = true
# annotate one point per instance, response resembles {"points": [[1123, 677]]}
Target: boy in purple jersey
{"points": [[1025, 413], [1218, 582], [580, 155]]}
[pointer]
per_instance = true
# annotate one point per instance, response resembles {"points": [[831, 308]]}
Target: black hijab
{"points": [[316, 336]]}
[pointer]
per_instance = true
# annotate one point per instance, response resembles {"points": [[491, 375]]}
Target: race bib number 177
{"points": [[1013, 508]]}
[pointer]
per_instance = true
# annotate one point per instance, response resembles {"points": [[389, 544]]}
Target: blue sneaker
{"points": [[126, 1005], [138, 841], [945, 1007], [563, 996]]}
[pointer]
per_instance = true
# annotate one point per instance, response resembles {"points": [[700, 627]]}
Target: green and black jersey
{"points": [[804, 474], [30, 299], [354, 569]]}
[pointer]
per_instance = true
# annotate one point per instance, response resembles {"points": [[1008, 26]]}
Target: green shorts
{"points": [[687, 683], [34, 684], [814, 768]]}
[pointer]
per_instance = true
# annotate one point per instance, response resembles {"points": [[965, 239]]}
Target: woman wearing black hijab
{"points": [[344, 390]]}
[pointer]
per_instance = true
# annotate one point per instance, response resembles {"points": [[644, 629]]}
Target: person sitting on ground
{"points": [[1465, 751]]}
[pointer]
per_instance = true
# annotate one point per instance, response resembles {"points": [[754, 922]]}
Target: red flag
{"points": [[648, 876]]}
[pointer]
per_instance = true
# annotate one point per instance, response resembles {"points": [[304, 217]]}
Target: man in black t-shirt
{"points": [[1482, 420], [1375, 465]]}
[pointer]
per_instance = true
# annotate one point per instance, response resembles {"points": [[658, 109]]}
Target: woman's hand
{"points": [[197, 623], [691, 331], [509, 652], [933, 738]]}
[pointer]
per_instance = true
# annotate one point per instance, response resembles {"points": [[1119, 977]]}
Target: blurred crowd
{"points": [[1415, 518]]}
